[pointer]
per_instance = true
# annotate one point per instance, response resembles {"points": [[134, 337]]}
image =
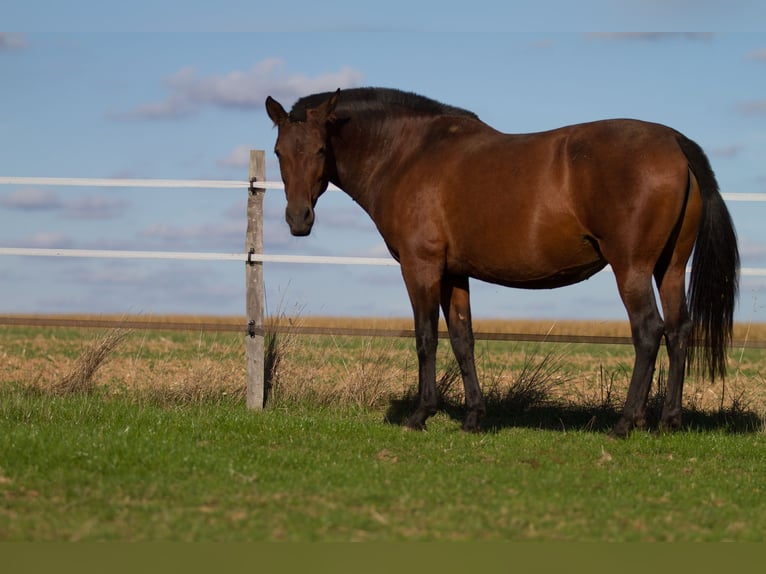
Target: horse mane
{"points": [[378, 100]]}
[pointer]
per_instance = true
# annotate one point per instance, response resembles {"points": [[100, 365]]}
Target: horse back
{"points": [[542, 209]]}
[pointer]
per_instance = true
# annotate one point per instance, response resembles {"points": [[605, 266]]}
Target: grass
{"points": [[96, 468], [161, 447]]}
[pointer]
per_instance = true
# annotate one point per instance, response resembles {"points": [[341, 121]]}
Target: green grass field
{"points": [[163, 449]]}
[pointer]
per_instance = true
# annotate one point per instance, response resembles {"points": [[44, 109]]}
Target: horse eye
{"points": [[276, 153], [321, 151]]}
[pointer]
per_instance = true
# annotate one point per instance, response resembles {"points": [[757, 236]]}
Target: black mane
{"points": [[371, 100]]}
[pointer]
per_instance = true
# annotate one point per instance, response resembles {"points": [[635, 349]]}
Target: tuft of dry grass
{"points": [[533, 384], [539, 375], [80, 379], [279, 342], [449, 385]]}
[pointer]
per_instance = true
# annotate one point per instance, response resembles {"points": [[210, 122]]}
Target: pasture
{"points": [[161, 447]]}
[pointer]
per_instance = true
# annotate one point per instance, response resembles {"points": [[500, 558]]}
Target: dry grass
{"points": [[171, 368], [80, 378], [278, 346], [373, 378], [535, 383], [367, 377], [176, 374], [144, 366], [202, 381]]}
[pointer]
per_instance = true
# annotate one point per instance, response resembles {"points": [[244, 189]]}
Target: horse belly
{"points": [[530, 265], [560, 278]]}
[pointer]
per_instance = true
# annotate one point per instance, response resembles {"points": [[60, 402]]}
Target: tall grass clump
{"points": [[538, 377], [80, 378], [279, 341]]}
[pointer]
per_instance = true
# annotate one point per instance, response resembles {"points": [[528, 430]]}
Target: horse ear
{"points": [[331, 103], [275, 110], [324, 113]]}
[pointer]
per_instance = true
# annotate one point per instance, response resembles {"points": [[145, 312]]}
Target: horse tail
{"points": [[714, 283]]}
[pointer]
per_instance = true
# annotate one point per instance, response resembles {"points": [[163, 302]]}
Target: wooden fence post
{"points": [[254, 284]]}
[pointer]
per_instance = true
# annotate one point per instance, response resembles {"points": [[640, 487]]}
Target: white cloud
{"points": [[84, 207], [379, 250], [236, 210], [651, 36], [351, 217], [239, 157], [727, 152], [753, 107], [31, 199], [172, 109], [95, 207], [751, 251], [190, 92], [11, 41], [48, 240], [225, 235]]}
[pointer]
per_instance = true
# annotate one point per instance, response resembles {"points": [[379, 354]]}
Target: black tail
{"points": [[714, 282]]}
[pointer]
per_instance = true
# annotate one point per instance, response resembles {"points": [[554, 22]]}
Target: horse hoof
{"points": [[621, 430], [472, 423], [670, 425], [414, 424]]}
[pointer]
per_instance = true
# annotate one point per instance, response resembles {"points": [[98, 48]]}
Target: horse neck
{"points": [[367, 152]]}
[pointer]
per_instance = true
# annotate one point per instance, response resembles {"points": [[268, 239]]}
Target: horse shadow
{"points": [[564, 417]]}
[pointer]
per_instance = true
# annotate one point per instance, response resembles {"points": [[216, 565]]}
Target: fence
{"points": [[254, 258]]}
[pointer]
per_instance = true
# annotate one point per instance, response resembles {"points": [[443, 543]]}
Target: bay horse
{"points": [[454, 198]]}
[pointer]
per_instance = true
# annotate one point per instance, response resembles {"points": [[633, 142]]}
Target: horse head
{"points": [[305, 161]]}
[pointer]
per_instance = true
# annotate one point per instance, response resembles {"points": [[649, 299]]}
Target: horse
{"points": [[454, 199]]}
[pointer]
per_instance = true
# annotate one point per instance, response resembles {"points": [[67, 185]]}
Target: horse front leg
{"points": [[423, 289]]}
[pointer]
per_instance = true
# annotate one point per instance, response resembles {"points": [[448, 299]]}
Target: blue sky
{"points": [[169, 89]]}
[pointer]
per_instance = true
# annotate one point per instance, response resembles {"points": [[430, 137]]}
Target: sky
{"points": [[172, 89]]}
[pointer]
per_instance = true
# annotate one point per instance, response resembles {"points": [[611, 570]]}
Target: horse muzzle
{"points": [[300, 220]]}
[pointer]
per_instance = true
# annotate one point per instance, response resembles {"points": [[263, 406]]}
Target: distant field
{"points": [[162, 447], [742, 332]]}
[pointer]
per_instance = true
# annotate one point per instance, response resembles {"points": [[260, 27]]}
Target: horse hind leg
{"points": [[677, 333], [646, 329], [456, 305], [670, 275]]}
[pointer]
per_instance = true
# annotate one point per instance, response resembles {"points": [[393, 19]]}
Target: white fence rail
{"points": [[226, 184], [195, 256], [187, 256], [215, 184], [246, 257]]}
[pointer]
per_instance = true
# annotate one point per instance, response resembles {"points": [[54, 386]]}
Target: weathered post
{"points": [[254, 283]]}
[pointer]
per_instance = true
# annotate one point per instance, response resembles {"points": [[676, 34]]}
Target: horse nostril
{"points": [[300, 220]]}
